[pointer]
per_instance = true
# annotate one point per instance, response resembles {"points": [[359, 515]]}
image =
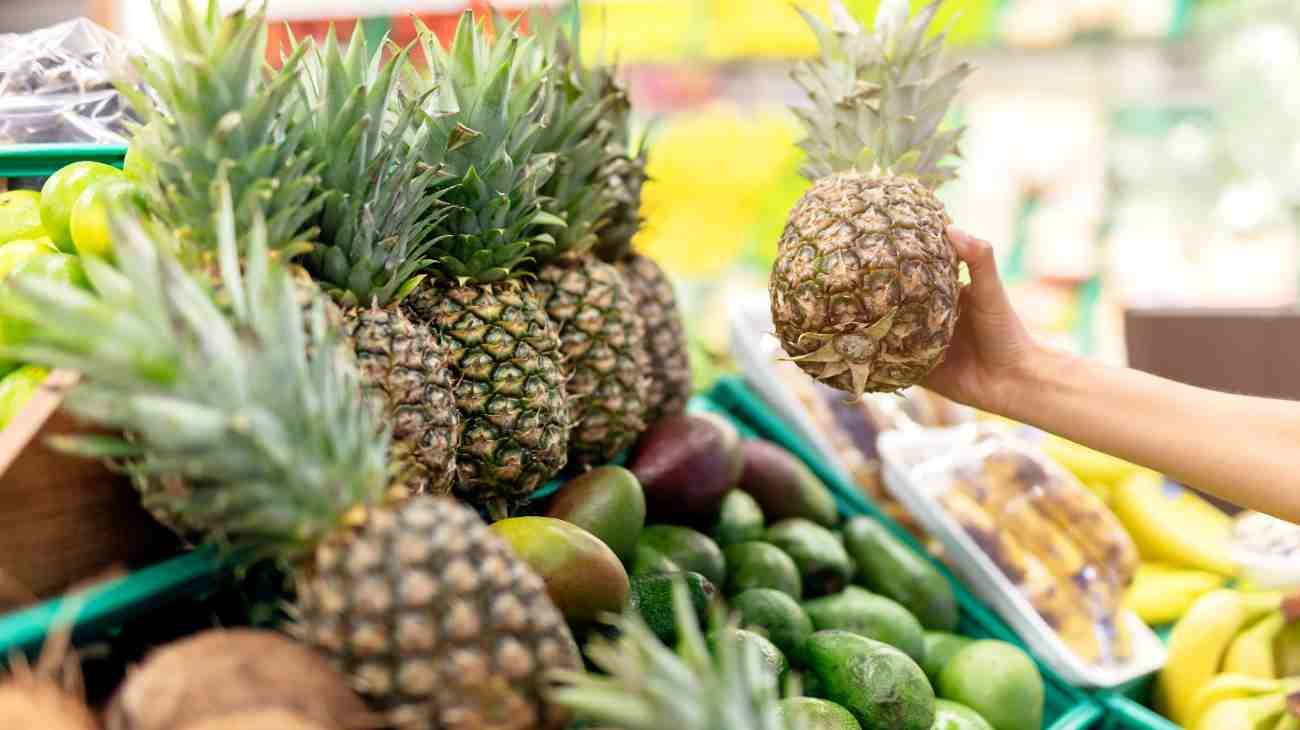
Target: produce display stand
{"points": [[196, 581], [1066, 706]]}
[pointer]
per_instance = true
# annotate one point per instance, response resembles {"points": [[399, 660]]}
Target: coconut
{"points": [[220, 672], [257, 720], [32, 702]]}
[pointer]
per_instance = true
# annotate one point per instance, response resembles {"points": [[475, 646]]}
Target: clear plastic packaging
{"points": [[56, 85], [1031, 541], [1267, 549]]}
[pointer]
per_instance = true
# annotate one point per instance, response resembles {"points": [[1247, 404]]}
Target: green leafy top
{"points": [[645, 685], [380, 204], [257, 413], [878, 99], [485, 118], [215, 108], [578, 129]]}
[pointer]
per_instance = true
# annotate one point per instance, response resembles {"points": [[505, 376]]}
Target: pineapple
{"points": [[653, 298], [650, 687], [504, 352], [379, 210], [601, 332], [426, 611], [216, 108], [865, 285]]}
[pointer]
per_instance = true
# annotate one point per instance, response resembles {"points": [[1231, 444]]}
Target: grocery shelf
{"points": [[38, 160]]}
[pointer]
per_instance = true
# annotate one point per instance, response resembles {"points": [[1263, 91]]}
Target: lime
{"points": [[999, 682], [89, 222], [814, 714], [17, 388], [56, 267], [20, 215], [949, 715], [60, 194], [15, 253]]}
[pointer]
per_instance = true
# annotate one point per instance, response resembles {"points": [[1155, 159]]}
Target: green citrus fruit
{"points": [[20, 215], [16, 253], [89, 222], [998, 681], [17, 388], [60, 194], [56, 267]]}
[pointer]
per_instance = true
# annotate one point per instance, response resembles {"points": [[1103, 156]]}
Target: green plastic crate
{"points": [[1123, 713], [40, 160], [1063, 701]]}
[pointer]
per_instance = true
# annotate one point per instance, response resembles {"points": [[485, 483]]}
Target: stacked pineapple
{"points": [[357, 288]]}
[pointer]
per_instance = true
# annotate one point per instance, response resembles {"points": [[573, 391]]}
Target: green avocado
{"points": [[872, 616], [823, 563], [688, 549], [887, 566], [880, 685], [761, 565], [777, 616]]}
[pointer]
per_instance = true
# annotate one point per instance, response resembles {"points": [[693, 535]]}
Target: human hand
{"points": [[991, 348]]}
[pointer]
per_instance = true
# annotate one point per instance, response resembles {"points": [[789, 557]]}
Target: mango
{"points": [[687, 463], [583, 576], [607, 502], [784, 486]]}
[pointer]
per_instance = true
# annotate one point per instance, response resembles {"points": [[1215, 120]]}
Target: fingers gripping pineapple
{"points": [[428, 612], [379, 210], [503, 351], [601, 332], [865, 285]]}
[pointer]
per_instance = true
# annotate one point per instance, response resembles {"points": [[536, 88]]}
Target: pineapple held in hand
{"points": [[865, 287]]}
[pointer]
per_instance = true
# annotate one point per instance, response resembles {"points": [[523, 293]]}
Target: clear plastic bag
{"points": [[1032, 541], [56, 85]]}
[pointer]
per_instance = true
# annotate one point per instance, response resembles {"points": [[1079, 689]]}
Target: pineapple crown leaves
{"points": [[577, 131], [381, 205], [484, 117], [256, 412], [646, 685], [878, 99], [217, 105]]}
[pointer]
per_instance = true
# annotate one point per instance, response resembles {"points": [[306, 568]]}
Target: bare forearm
{"points": [[1245, 450]]}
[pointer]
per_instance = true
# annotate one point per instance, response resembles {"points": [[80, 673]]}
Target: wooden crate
{"points": [[63, 519]]}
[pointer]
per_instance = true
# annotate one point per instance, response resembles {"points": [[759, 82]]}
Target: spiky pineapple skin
{"points": [[665, 336], [857, 250], [505, 357], [435, 620], [622, 178], [404, 369], [605, 357]]}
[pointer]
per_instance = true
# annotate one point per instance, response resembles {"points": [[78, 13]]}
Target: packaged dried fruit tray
{"points": [[1032, 542], [1066, 705]]}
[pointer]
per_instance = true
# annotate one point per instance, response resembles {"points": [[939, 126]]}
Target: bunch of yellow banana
{"points": [[1172, 525], [1053, 539], [1226, 662], [1161, 593]]}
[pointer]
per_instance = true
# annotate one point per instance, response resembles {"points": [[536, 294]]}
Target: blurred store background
{"points": [[1121, 154]]}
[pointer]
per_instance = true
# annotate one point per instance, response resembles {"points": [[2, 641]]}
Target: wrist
{"points": [[1040, 372]]}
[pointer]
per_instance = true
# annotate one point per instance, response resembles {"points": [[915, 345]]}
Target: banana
{"points": [[1251, 653], [1086, 519], [1243, 714], [1287, 651], [1226, 687], [1189, 531], [1161, 594], [1198, 642], [1091, 467]]}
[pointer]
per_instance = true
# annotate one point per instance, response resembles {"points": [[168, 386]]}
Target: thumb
{"points": [[985, 284]]}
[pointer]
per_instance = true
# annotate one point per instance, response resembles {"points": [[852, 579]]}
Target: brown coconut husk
{"points": [[49, 695], [219, 672], [257, 720]]}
